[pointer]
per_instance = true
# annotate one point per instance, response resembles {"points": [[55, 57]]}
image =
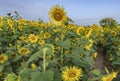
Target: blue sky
{"points": [[83, 12]]}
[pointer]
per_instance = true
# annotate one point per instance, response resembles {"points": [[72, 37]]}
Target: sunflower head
{"points": [[47, 35], [3, 58], [32, 38], [72, 74], [80, 29], [114, 33], [57, 15], [110, 76], [40, 42], [24, 51]]}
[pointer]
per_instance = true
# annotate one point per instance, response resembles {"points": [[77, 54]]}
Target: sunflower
{"points": [[72, 74], [47, 35], [57, 15], [10, 23], [24, 39], [79, 30], [109, 77], [24, 51], [114, 33], [33, 38], [88, 47], [20, 27], [88, 33], [57, 39], [3, 58], [41, 42]]}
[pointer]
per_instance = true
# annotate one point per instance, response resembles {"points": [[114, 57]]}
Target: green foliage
{"points": [[108, 22], [11, 77], [96, 72], [34, 55]]}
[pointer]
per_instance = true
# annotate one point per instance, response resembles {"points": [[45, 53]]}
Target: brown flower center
{"points": [[32, 38], [1, 57], [72, 75], [24, 51], [58, 16]]}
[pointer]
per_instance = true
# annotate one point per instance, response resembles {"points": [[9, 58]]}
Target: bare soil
{"points": [[100, 62]]}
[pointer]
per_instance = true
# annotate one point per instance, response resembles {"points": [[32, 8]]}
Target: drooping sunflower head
{"points": [[57, 15], [72, 74]]}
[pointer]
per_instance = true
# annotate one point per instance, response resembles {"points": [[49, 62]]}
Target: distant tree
{"points": [[108, 22]]}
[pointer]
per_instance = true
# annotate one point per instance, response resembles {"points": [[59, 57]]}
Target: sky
{"points": [[82, 12]]}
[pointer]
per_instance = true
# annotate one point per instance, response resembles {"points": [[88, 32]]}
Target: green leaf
{"points": [[76, 55], [26, 75], [1, 68], [11, 77], [57, 76], [34, 45], [66, 44], [36, 76], [96, 72], [34, 56], [89, 79], [48, 75], [116, 62], [8, 69], [107, 71], [59, 42], [52, 64], [16, 58], [89, 60]]}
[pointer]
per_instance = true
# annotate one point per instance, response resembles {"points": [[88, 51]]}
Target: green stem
{"points": [[44, 66], [62, 46], [61, 55]]}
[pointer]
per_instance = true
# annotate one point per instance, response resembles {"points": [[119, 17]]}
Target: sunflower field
{"points": [[58, 50]]}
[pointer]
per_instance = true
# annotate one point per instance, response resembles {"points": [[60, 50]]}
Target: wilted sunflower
{"points": [[72, 74], [3, 58], [57, 15]]}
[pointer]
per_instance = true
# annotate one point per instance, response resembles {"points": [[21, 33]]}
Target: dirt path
{"points": [[100, 62]]}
